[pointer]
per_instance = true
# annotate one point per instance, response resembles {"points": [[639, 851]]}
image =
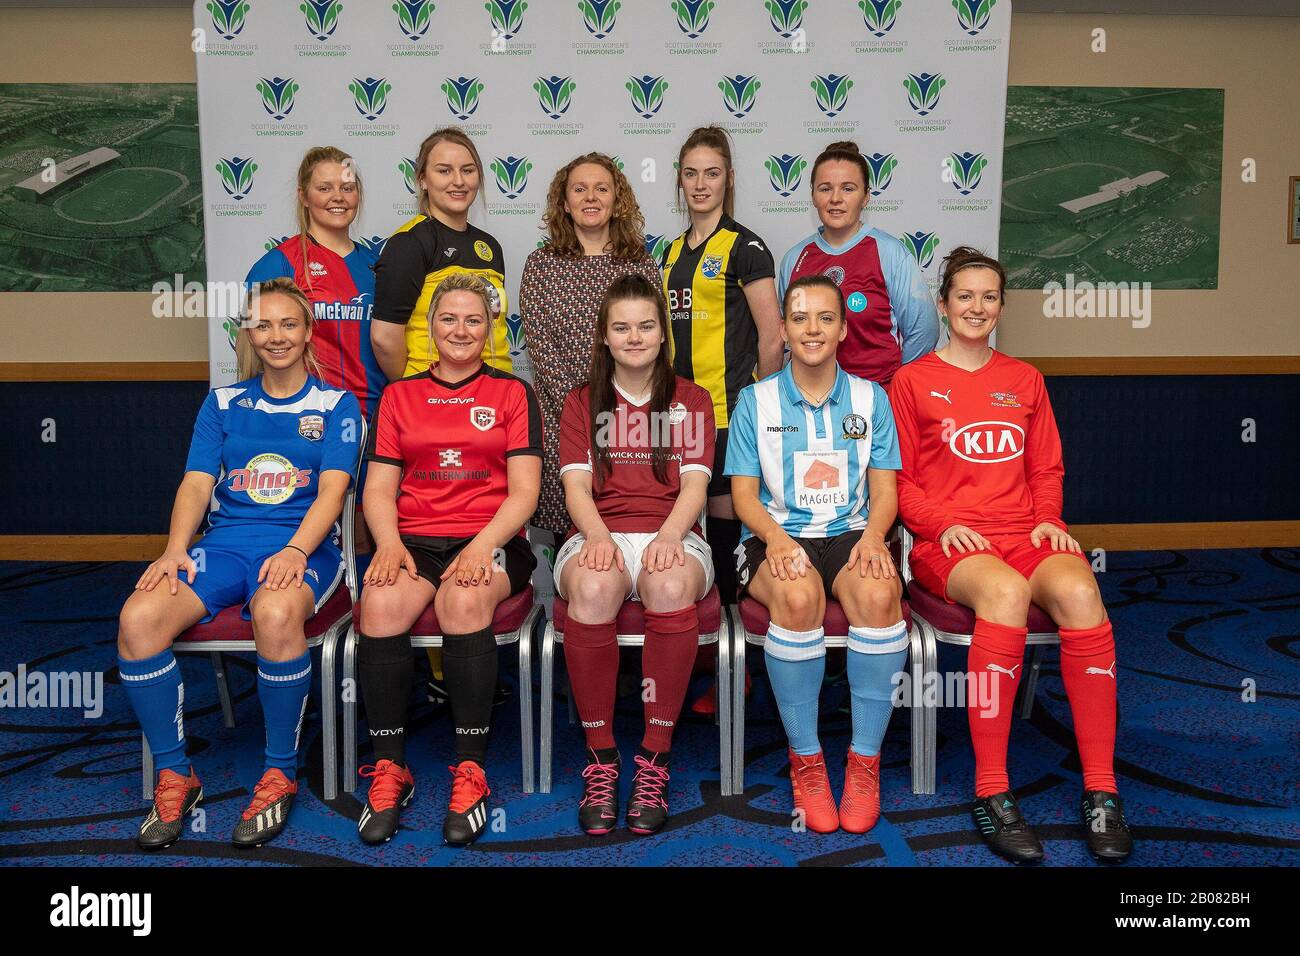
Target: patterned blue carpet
{"points": [[1207, 767]]}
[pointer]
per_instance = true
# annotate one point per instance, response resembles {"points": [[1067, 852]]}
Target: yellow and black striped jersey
{"points": [[416, 258], [715, 340]]}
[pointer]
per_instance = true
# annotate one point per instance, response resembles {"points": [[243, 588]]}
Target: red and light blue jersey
{"points": [[341, 290], [267, 454], [892, 316]]}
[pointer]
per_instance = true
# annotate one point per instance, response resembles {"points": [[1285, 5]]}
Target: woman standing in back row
{"points": [[595, 234], [892, 318]]}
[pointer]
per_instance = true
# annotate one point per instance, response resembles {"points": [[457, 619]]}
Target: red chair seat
{"points": [[631, 616], [755, 618], [228, 625], [959, 619], [509, 615]]}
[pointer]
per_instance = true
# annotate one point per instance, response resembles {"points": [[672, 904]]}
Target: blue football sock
{"points": [[796, 664], [876, 654], [157, 695], [282, 688]]}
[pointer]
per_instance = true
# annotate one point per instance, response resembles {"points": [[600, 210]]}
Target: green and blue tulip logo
{"points": [[413, 17], [693, 16], [507, 17], [647, 94], [966, 169], [879, 15], [512, 174], [785, 172], [921, 245], [370, 96], [322, 17], [462, 95], [832, 93], [236, 176], [554, 94], [880, 169], [738, 93], [656, 246], [923, 91], [786, 16], [228, 16], [277, 95], [407, 168], [598, 16], [973, 15]]}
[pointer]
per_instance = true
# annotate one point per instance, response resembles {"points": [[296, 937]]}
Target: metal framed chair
{"points": [[630, 629], [936, 621], [749, 623], [512, 623], [228, 631]]}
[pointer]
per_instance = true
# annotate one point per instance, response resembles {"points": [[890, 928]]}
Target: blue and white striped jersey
{"points": [[812, 462]]}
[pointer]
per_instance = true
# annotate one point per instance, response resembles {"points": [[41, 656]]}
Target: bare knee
{"points": [[667, 590], [381, 612], [798, 605], [869, 602], [1077, 603], [1005, 600], [463, 610], [140, 630], [594, 596], [278, 628]]}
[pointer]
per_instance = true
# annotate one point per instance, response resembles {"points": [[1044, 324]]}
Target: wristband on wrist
{"points": [[296, 548]]}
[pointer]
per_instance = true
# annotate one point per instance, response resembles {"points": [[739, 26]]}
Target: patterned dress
{"points": [[559, 298]]}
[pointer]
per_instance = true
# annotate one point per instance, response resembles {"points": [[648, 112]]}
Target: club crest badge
{"points": [[311, 427], [482, 417], [711, 266]]}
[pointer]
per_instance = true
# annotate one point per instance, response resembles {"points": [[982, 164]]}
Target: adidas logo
{"points": [[477, 817], [270, 817]]}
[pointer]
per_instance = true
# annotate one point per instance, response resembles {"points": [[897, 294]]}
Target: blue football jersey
{"points": [[812, 462], [267, 454]]}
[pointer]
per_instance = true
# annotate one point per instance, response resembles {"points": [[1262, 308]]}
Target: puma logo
{"points": [[1002, 670], [1110, 672], [943, 395]]}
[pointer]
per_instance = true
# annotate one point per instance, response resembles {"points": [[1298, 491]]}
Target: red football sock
{"points": [[591, 655], [670, 641], [1088, 670], [996, 662]]}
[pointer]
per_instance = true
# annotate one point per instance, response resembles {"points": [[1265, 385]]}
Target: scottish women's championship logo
{"points": [[880, 167], [785, 172], [507, 17], [462, 95], [923, 91], [236, 176], [693, 16], [786, 16], [965, 170], [832, 93], [598, 16], [413, 17], [879, 15], [511, 174], [921, 245], [973, 15], [322, 17], [738, 93], [228, 16], [277, 95], [647, 94], [555, 94], [370, 96]]}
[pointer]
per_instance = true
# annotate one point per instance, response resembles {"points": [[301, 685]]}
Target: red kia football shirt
{"points": [[979, 448], [452, 442], [631, 498]]}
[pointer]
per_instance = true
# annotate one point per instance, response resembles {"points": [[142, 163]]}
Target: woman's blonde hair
{"points": [[467, 282], [314, 157], [626, 223], [447, 134], [248, 361]]}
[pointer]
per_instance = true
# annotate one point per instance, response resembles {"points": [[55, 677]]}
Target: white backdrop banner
{"points": [[920, 85]]}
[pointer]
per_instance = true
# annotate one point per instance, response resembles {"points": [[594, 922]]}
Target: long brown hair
{"points": [[601, 398], [447, 134], [845, 150], [247, 361], [626, 223], [313, 158], [715, 138]]}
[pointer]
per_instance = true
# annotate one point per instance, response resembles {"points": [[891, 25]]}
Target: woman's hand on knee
{"points": [[387, 565], [663, 552], [282, 569], [963, 540], [871, 556], [785, 559], [1059, 540], [474, 563], [599, 551], [168, 567]]}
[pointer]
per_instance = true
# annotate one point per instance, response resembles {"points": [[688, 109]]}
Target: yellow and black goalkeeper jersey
{"points": [[415, 259], [715, 341]]}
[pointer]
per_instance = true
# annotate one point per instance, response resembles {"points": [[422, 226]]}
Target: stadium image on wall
{"points": [[1112, 184], [99, 186]]}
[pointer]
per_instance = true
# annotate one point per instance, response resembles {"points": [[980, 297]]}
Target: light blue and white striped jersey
{"points": [[812, 462]]}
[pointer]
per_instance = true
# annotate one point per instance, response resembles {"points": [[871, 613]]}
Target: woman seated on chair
{"points": [[812, 456], [636, 454], [981, 490], [279, 448], [455, 466]]}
